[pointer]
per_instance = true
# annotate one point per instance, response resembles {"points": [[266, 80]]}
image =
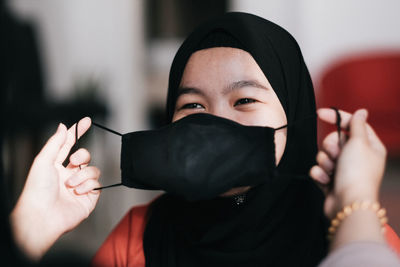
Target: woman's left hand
{"points": [[55, 198], [358, 163]]}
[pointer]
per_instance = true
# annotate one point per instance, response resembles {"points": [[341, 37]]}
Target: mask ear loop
{"points": [[338, 123], [116, 133], [296, 122], [338, 128], [76, 146], [106, 129], [107, 186]]}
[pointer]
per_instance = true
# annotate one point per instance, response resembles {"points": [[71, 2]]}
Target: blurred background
{"points": [[61, 60]]}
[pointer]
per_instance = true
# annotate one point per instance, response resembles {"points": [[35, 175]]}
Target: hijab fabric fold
{"points": [[281, 222]]}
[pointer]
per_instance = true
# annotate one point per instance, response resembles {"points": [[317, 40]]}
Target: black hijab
{"points": [[281, 222]]}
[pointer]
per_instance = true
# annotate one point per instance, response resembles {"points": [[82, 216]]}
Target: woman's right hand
{"points": [[358, 164], [55, 199]]}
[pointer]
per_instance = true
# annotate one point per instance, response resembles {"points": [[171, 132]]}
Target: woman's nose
{"points": [[222, 111]]}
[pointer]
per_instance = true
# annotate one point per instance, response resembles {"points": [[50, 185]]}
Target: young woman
{"points": [[251, 71]]}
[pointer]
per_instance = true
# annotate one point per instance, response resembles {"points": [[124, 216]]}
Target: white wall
{"points": [[93, 38], [328, 30]]}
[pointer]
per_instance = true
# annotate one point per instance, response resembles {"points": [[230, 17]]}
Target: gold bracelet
{"points": [[356, 205]]}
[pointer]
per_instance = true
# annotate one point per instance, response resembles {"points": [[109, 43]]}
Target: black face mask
{"points": [[198, 157]]}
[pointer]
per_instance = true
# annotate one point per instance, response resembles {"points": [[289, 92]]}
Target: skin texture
{"points": [[359, 165], [227, 82], [55, 199]]}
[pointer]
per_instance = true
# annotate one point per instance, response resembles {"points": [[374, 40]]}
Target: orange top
{"points": [[392, 239], [124, 246]]}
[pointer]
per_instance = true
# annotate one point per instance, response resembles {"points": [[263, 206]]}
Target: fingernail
{"points": [[362, 114], [59, 127]]}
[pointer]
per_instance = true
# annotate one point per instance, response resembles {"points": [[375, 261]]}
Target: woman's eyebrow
{"points": [[243, 83], [189, 90]]}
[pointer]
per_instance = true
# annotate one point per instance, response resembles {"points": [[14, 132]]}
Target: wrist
{"points": [[31, 232], [348, 197], [360, 221]]}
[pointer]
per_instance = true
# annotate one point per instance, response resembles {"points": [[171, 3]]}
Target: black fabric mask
{"points": [[198, 157]]}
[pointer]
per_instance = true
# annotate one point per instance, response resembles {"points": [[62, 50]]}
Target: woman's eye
{"points": [[243, 101], [192, 106]]}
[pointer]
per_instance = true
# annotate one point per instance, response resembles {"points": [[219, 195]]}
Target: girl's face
{"points": [[227, 82]]}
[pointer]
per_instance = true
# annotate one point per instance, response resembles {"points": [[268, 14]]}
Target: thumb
{"points": [[358, 126], [51, 149]]}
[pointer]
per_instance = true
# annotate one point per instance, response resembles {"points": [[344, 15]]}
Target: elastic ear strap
{"points": [[76, 145], [106, 129], [296, 122], [279, 128], [338, 123], [107, 186]]}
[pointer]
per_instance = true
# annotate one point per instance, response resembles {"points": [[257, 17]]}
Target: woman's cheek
{"points": [[176, 116], [280, 144]]}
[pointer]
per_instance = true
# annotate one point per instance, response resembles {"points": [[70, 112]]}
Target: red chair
{"points": [[370, 81]]}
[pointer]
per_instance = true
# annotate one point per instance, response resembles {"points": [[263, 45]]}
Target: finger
{"points": [[358, 127], [53, 146], [319, 175], [87, 187], [329, 115], [81, 176], [325, 162], [330, 207], [330, 144], [80, 157], [322, 185], [83, 126]]}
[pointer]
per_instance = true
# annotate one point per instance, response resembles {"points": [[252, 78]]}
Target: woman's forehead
{"points": [[221, 66]]}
